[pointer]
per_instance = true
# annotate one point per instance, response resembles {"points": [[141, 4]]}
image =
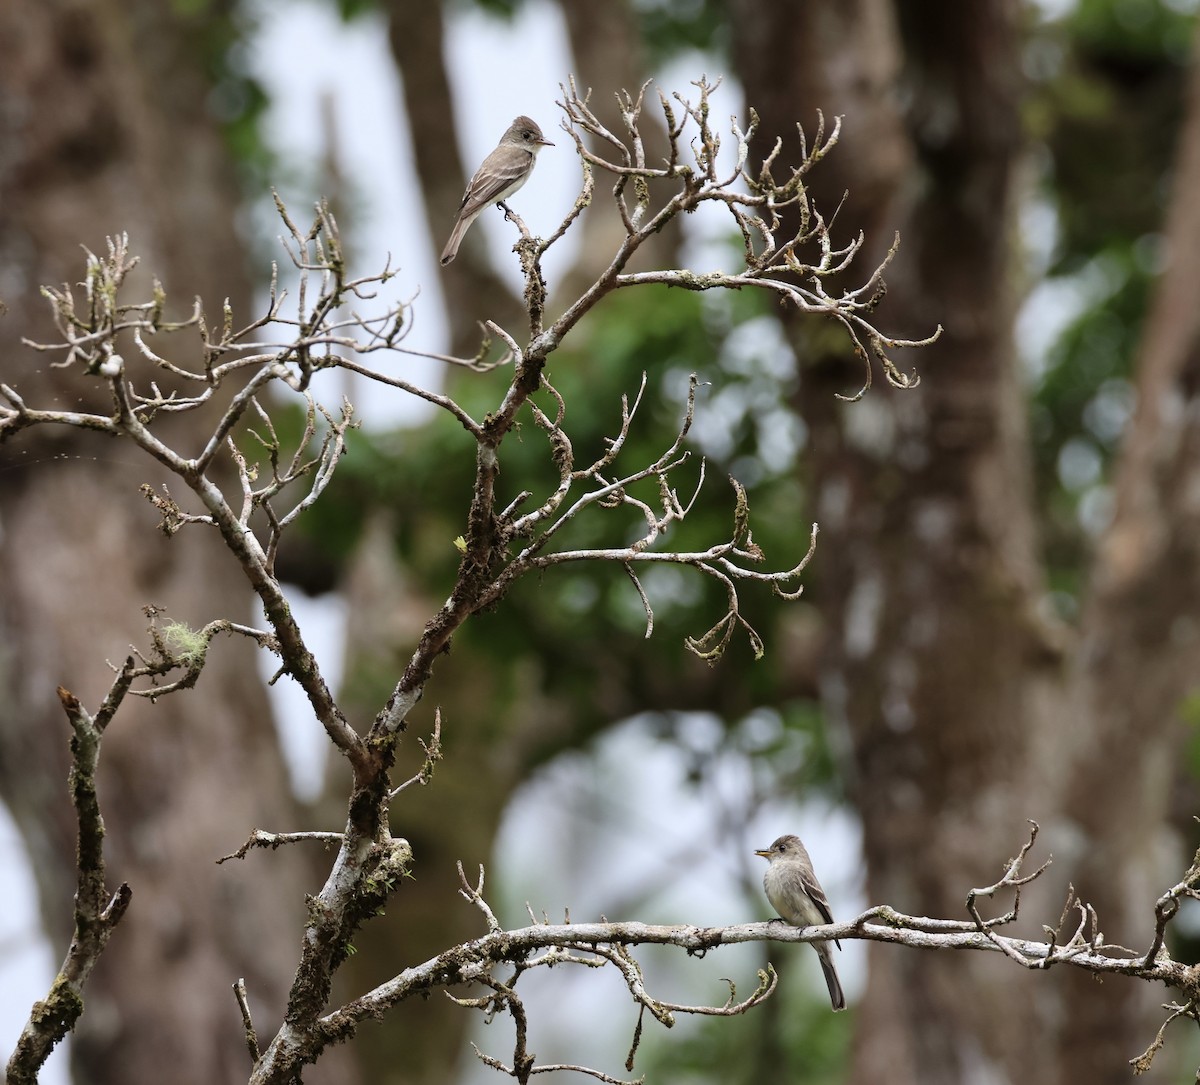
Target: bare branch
{"points": [[473, 961], [261, 839], [97, 912], [475, 896], [1167, 906], [250, 483], [243, 1001], [755, 207], [433, 754]]}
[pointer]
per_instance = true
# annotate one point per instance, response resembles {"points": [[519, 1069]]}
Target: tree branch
{"points": [[97, 913], [322, 329]]}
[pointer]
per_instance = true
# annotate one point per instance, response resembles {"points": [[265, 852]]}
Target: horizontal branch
{"points": [[260, 838], [469, 962]]}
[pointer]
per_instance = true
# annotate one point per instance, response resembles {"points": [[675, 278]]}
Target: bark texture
{"points": [[927, 573], [1140, 645], [105, 129], [965, 711]]}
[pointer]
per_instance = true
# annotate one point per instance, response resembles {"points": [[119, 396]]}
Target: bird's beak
{"points": [[545, 142], [764, 854]]}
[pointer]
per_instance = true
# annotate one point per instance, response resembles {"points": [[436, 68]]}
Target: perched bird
{"points": [[794, 892], [504, 171]]}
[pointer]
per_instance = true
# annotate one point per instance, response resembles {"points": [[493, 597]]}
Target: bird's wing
{"points": [[813, 888], [491, 182], [818, 898]]}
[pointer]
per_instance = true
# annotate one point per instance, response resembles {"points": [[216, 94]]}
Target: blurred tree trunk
{"points": [[474, 292], [106, 130], [963, 714], [927, 572], [1140, 646], [608, 56]]}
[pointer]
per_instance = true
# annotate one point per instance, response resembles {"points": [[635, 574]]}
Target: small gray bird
{"points": [[504, 171], [794, 892]]}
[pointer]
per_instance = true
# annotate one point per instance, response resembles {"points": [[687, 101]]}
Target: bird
{"points": [[794, 892], [504, 171]]}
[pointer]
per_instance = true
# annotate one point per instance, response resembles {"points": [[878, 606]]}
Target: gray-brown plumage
{"points": [[794, 892], [504, 171]]}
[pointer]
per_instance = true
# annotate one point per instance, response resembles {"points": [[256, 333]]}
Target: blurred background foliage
{"points": [[1102, 100], [1103, 103], [1104, 107]]}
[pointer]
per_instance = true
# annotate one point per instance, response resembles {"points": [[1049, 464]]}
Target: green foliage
{"points": [[352, 9], [1147, 29], [671, 27], [423, 477], [784, 746], [1107, 106], [667, 335], [1189, 713], [505, 9], [1080, 405], [793, 1037], [668, 27], [1109, 112], [237, 101]]}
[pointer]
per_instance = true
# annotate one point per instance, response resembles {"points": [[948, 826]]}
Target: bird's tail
{"points": [[456, 236], [836, 998]]}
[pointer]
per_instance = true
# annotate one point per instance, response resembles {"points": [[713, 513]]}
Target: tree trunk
{"points": [[107, 131], [1139, 649], [926, 569], [474, 292], [964, 712], [608, 56]]}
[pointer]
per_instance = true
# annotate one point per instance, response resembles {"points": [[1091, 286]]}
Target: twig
{"points": [[260, 839], [239, 992], [475, 896], [433, 754]]}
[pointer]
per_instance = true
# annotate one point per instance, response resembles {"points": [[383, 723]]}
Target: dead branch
{"points": [[248, 484], [97, 911]]}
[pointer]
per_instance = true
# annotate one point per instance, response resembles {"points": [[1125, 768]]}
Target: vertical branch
{"points": [[96, 913]]}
